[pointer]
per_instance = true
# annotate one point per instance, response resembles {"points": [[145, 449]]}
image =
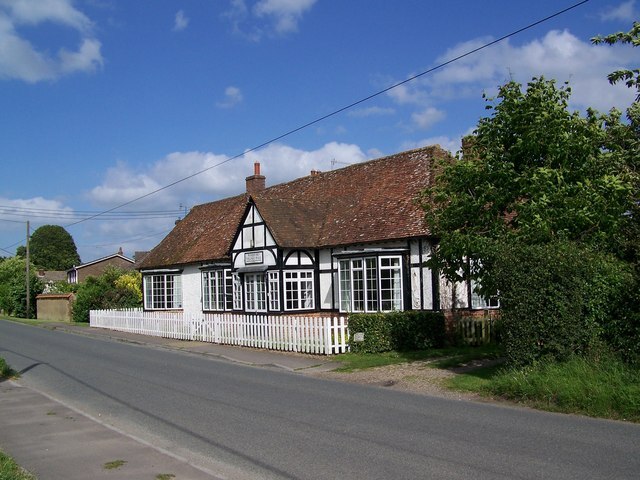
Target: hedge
{"points": [[558, 299], [400, 331]]}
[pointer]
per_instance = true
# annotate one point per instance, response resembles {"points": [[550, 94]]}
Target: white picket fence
{"points": [[319, 335]]}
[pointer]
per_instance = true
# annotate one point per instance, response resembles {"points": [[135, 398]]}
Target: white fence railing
{"points": [[320, 335]]}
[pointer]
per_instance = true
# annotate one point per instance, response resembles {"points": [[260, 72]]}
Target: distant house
{"points": [[95, 268], [347, 240]]}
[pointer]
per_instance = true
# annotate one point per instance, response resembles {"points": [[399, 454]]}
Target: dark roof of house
{"points": [[102, 259], [52, 275], [366, 202]]}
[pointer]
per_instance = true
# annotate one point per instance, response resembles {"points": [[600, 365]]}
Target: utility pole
{"points": [[28, 289]]}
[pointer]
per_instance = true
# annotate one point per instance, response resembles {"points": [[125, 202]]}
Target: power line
{"points": [[91, 216], [340, 110]]}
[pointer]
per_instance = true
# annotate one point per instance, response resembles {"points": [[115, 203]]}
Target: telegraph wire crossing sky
{"points": [[107, 102]]}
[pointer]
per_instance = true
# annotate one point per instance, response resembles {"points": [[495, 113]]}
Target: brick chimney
{"points": [[255, 182]]}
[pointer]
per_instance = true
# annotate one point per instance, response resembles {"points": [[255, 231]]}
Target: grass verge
{"points": [[5, 370], [604, 388], [444, 357], [10, 470]]}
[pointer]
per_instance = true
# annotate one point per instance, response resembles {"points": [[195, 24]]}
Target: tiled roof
{"points": [[205, 234], [365, 202]]}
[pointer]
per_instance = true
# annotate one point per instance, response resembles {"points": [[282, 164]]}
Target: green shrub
{"points": [[103, 292], [13, 288], [622, 331], [400, 331], [557, 299]]}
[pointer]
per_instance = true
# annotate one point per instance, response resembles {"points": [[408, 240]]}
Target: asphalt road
{"points": [[247, 422]]}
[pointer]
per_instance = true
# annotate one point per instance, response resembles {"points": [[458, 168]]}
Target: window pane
{"points": [[206, 289], [371, 284], [357, 285], [237, 292], [255, 293], [274, 291], [228, 290], [345, 285], [390, 284]]}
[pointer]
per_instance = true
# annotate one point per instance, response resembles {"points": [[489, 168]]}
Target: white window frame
{"points": [[361, 284], [237, 291], [163, 291], [478, 302], [273, 279], [255, 292], [299, 287], [217, 290]]}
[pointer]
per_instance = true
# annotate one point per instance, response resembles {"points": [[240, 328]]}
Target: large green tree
{"points": [[51, 247], [629, 137], [534, 172]]}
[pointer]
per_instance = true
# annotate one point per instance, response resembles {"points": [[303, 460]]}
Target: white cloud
{"points": [[86, 59], [62, 12], [282, 163], [557, 55], [15, 212], [428, 117], [232, 97], [181, 21], [626, 11], [285, 13], [20, 59], [266, 17], [220, 176]]}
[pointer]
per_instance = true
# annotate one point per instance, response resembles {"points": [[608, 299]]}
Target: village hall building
{"points": [[348, 240]]}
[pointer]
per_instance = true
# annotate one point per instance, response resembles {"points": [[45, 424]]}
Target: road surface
{"points": [[245, 422]]}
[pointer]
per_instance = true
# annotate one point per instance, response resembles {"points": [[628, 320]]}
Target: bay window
{"points": [[371, 284]]}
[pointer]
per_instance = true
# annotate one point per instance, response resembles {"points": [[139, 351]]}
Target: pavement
{"points": [[54, 441]]}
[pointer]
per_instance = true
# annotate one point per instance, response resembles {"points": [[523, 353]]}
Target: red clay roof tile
{"points": [[366, 202]]}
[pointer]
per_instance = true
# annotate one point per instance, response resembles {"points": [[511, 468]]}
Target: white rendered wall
{"points": [[191, 290]]}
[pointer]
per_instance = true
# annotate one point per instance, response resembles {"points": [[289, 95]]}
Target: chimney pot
{"points": [[255, 182]]}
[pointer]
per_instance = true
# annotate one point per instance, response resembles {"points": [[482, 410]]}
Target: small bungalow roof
{"points": [[366, 202]]}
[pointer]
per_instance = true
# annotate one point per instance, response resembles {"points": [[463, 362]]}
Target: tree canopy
{"points": [[51, 247], [631, 77], [535, 172]]}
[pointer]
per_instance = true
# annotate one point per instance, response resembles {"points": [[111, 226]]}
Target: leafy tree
{"points": [[629, 137], [13, 288], [533, 172], [51, 247], [631, 77], [115, 288]]}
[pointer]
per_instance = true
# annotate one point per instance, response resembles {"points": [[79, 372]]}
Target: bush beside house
{"points": [[115, 288], [560, 299], [400, 331]]}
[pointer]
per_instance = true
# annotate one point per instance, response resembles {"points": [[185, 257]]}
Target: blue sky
{"points": [[105, 101]]}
